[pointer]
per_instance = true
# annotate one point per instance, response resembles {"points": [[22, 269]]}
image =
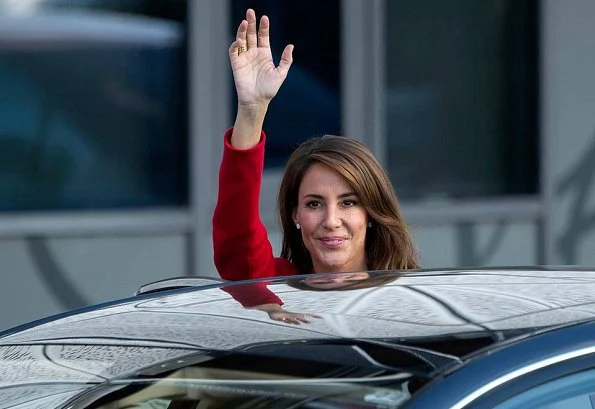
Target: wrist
{"points": [[269, 308], [254, 112], [248, 126]]}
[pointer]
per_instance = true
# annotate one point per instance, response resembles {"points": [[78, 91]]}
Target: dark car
{"points": [[484, 338]]}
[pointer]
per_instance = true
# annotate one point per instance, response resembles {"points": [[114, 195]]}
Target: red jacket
{"points": [[241, 246]]}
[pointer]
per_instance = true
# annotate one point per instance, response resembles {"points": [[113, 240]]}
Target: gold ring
{"points": [[242, 48]]}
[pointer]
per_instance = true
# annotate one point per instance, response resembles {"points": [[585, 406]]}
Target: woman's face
{"points": [[333, 222]]}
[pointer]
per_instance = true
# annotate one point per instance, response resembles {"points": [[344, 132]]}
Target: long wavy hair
{"points": [[389, 244]]}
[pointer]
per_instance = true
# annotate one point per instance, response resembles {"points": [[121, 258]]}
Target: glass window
{"points": [[308, 103], [575, 391], [221, 380], [93, 107], [461, 97]]}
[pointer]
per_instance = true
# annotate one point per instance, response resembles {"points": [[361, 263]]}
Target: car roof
{"points": [[406, 305], [413, 308]]}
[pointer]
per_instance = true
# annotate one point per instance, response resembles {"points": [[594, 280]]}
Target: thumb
{"points": [[286, 60]]}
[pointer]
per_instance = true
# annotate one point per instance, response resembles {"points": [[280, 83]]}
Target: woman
{"points": [[338, 210]]}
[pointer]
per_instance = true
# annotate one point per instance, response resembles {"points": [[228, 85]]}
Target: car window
{"points": [[576, 391], [227, 385], [180, 391]]}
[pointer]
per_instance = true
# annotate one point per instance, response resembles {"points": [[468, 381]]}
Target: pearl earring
{"points": [[298, 226], [369, 224]]}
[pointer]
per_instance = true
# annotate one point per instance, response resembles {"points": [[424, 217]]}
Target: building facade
{"points": [[111, 124]]}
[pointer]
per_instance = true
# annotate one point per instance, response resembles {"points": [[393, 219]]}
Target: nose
{"points": [[332, 218]]}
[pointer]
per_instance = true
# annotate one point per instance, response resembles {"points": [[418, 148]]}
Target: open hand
{"points": [[291, 317], [256, 78]]}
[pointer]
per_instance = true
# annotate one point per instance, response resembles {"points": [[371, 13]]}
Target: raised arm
{"points": [[240, 242]]}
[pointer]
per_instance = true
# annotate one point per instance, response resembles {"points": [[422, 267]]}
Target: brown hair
{"points": [[389, 245]]}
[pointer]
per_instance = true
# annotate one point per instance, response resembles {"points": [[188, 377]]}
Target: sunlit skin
{"points": [[332, 221]]}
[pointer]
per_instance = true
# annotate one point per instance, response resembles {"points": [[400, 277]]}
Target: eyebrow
{"points": [[341, 196]]}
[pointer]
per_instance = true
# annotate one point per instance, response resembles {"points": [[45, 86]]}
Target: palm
{"points": [[256, 77]]}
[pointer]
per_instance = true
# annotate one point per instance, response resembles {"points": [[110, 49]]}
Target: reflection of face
{"points": [[333, 222], [335, 281]]}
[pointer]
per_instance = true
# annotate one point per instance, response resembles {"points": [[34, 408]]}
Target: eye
{"points": [[313, 204], [350, 203]]}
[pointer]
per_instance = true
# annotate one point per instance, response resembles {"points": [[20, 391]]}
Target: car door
{"points": [[567, 384]]}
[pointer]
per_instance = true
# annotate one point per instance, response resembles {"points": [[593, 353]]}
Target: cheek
{"points": [[362, 236], [309, 222], [359, 224]]}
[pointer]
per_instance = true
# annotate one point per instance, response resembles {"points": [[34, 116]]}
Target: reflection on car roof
{"points": [[100, 344], [411, 306]]}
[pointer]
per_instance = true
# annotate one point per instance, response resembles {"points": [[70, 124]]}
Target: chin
{"points": [[333, 266]]}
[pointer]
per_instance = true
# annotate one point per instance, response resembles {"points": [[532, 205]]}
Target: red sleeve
{"points": [[252, 295], [241, 246]]}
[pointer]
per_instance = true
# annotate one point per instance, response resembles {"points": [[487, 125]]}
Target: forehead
{"points": [[320, 178]]}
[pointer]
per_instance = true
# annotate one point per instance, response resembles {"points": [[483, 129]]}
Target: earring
{"points": [[369, 224], [298, 226]]}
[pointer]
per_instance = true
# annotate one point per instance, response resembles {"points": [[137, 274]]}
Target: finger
{"points": [[251, 33], [263, 32], [286, 60], [240, 40], [242, 31]]}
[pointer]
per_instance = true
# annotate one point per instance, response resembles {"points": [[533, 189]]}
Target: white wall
{"points": [[41, 277]]}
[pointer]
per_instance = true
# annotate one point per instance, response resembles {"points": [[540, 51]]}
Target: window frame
{"points": [[87, 221], [363, 117]]}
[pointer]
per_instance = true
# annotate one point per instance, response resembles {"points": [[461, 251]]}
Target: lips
{"points": [[332, 242]]}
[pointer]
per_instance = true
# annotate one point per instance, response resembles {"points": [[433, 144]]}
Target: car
{"points": [[503, 338]]}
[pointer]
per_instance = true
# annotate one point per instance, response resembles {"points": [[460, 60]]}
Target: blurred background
{"points": [[112, 114]]}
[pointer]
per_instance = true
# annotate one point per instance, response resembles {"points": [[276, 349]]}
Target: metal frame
{"points": [[14, 225], [209, 36], [476, 211], [364, 74], [546, 139], [362, 70]]}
